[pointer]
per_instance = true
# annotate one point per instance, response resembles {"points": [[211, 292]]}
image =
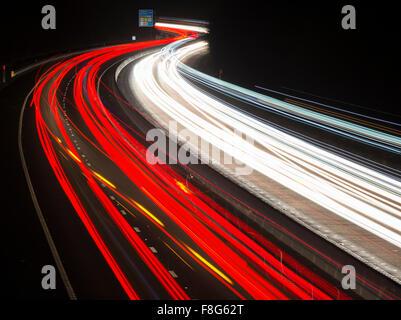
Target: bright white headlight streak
{"points": [[182, 27], [354, 192]]}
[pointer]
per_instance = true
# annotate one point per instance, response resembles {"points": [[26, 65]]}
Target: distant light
{"points": [[181, 20], [133, 38], [180, 26]]}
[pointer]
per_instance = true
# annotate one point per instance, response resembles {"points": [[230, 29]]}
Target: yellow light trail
{"points": [[104, 179], [209, 265], [182, 259], [182, 186], [73, 155], [147, 212]]}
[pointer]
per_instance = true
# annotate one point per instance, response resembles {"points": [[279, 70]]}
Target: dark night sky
{"points": [[275, 44]]}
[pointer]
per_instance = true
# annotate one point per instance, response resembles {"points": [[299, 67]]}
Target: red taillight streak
{"points": [[164, 276], [49, 151], [50, 154]]}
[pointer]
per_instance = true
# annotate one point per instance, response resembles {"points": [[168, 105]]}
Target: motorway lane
{"points": [[337, 229], [368, 247]]}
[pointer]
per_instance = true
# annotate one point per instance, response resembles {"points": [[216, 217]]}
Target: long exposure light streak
{"points": [[359, 194]]}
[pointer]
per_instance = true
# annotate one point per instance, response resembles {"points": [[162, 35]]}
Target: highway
{"points": [[215, 230]]}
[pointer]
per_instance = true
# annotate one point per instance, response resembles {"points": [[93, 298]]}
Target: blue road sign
{"points": [[146, 18]]}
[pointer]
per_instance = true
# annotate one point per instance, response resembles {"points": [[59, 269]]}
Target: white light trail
{"points": [[357, 193], [182, 27]]}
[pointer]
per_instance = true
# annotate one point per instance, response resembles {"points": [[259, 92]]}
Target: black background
{"points": [[299, 45]]}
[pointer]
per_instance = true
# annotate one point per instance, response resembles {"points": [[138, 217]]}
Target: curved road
{"points": [[164, 231]]}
